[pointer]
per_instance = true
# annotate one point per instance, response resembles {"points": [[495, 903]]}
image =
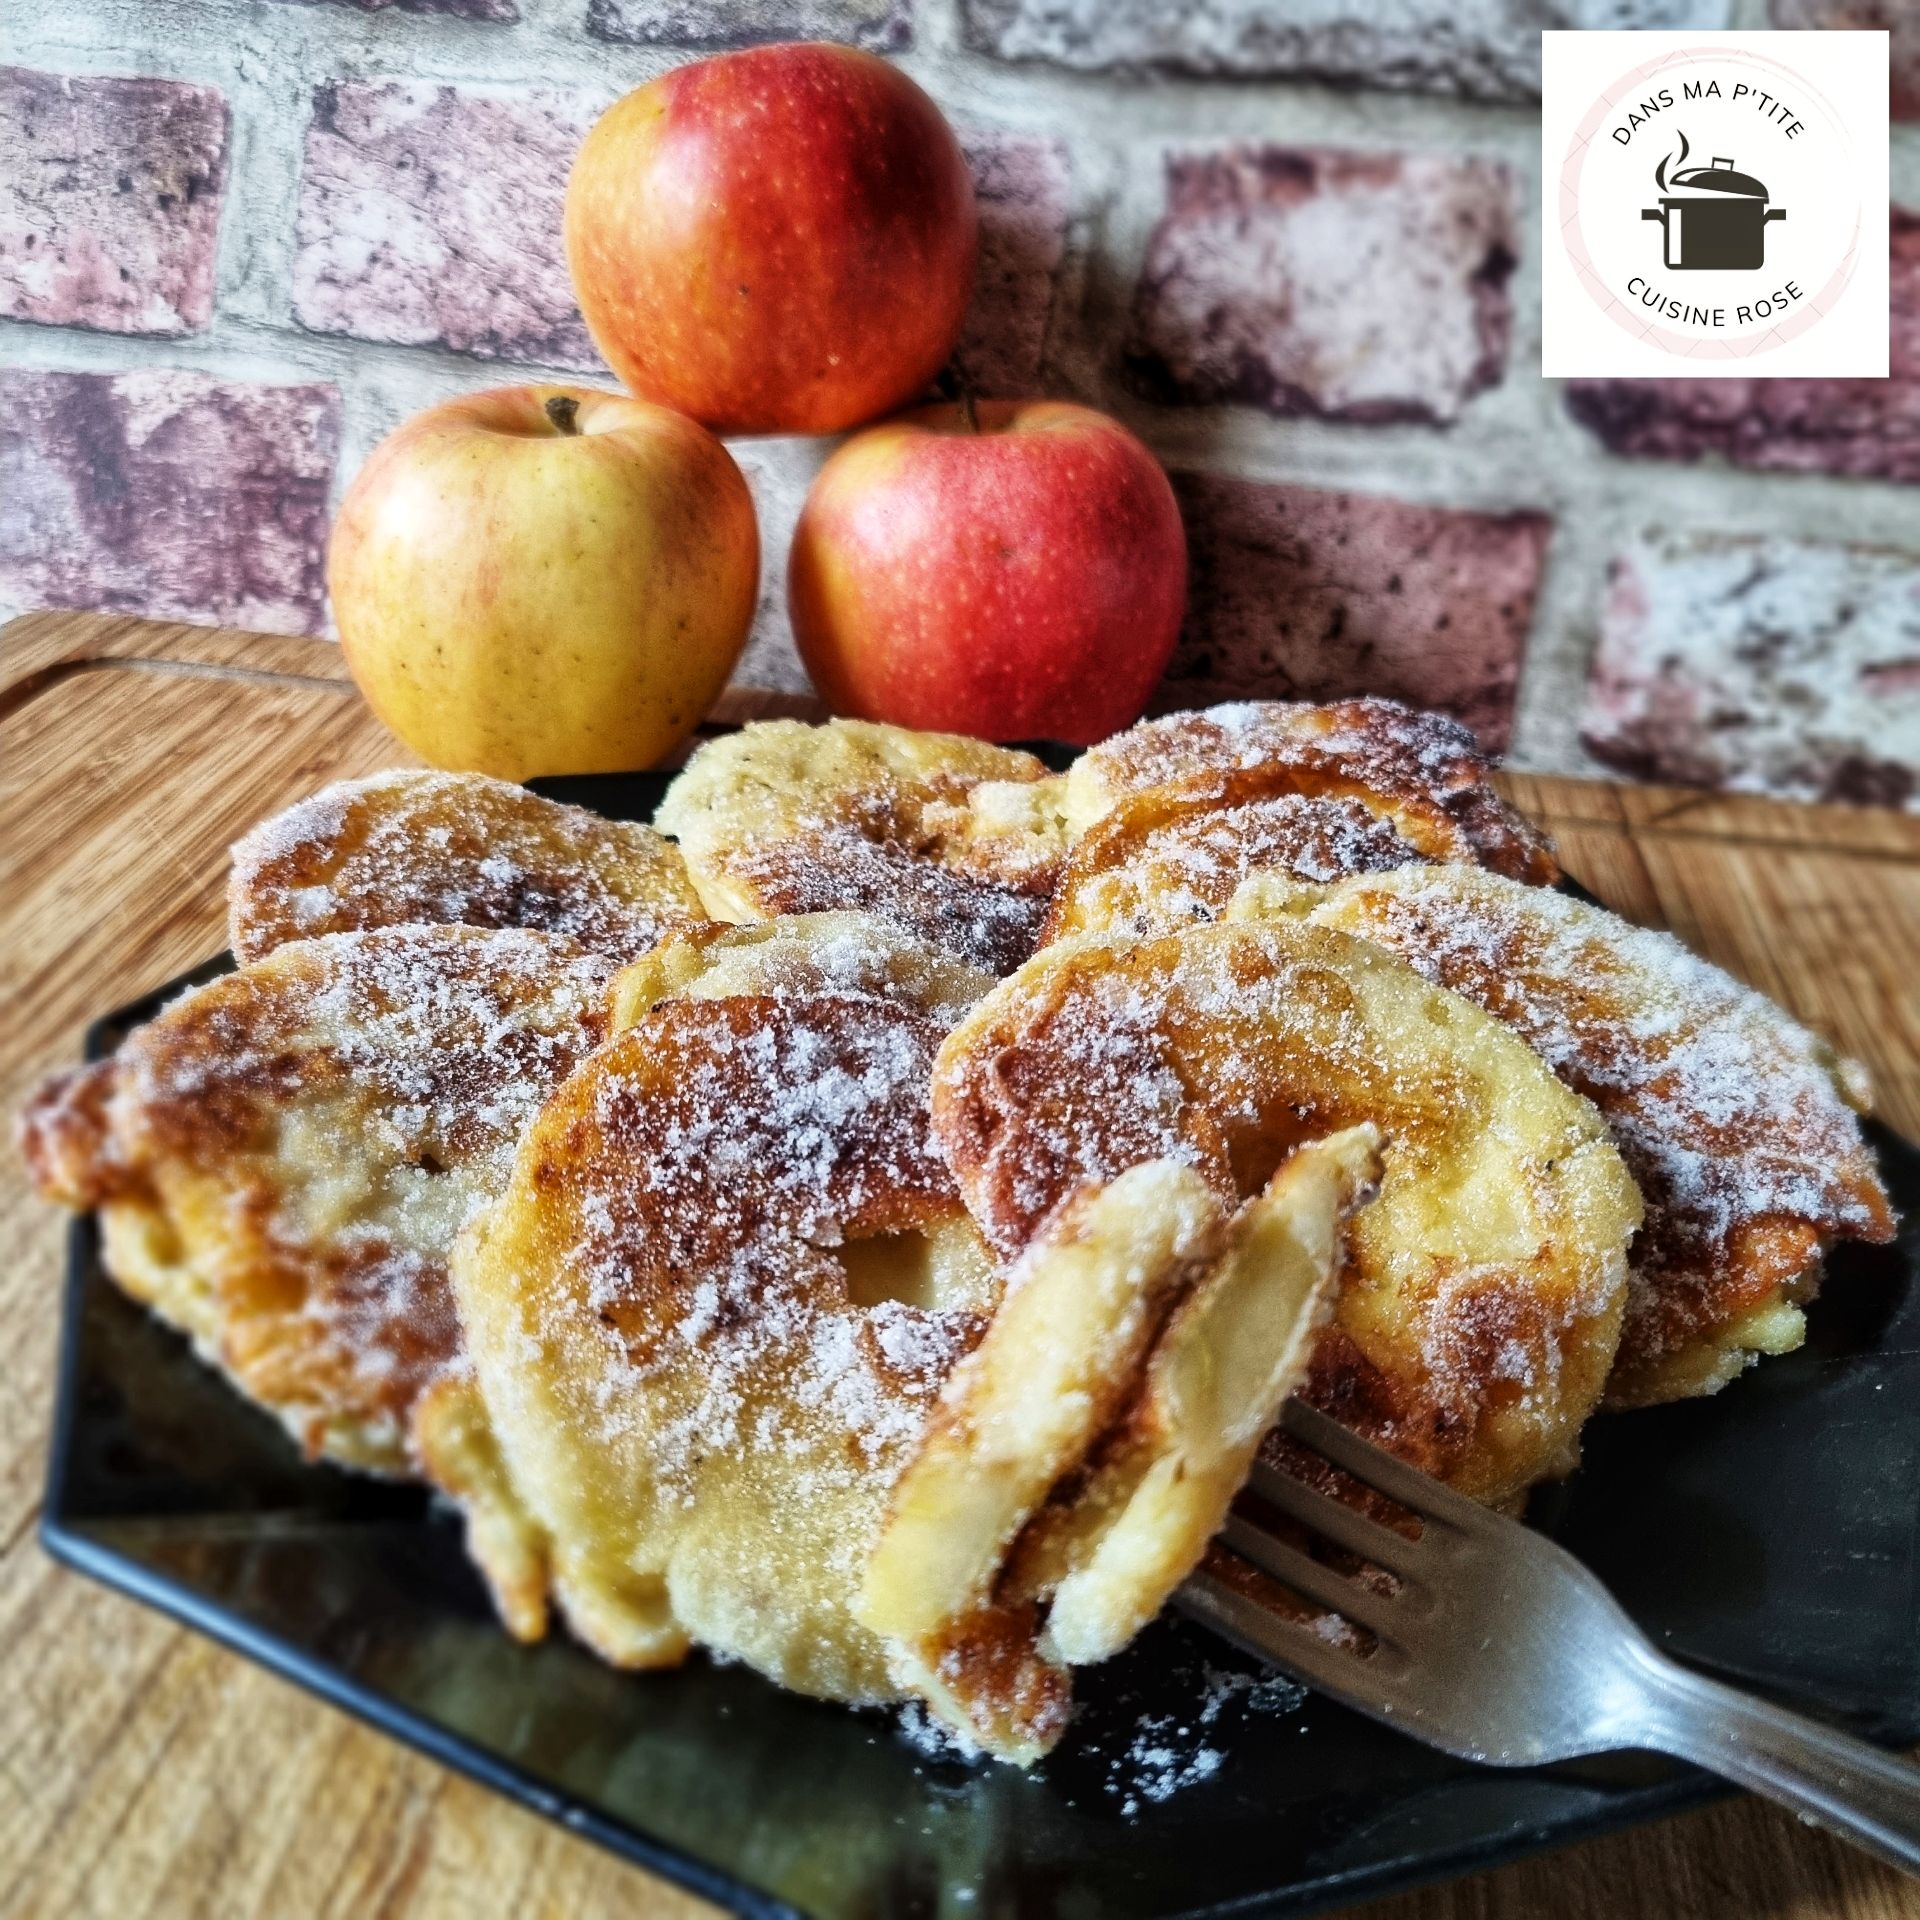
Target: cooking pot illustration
{"points": [[1712, 216]]}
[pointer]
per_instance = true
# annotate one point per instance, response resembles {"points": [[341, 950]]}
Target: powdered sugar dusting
{"points": [[357, 1098], [790, 818], [1729, 1114], [1142, 1759], [735, 1143], [1188, 869], [1496, 1246], [1165, 1754], [1391, 748], [442, 849], [810, 871]]}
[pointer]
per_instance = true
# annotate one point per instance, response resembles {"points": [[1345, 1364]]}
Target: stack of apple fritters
{"points": [[870, 1232]]}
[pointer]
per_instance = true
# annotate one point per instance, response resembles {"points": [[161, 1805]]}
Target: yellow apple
{"points": [[541, 580]]}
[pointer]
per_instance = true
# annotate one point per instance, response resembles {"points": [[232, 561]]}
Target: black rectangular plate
{"points": [[1771, 1534]]}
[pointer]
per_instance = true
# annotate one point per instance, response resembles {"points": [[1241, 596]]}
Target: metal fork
{"points": [[1497, 1645]]}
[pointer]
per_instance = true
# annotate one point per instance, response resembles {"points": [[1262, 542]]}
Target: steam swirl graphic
{"points": [[1678, 160]]}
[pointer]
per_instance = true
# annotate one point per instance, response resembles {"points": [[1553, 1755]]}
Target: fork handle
{"points": [[1863, 1793]]}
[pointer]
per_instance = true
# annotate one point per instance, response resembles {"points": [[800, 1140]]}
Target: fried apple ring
{"points": [[1484, 1295], [412, 848], [708, 1315], [949, 838], [282, 1158], [281, 1161], [1082, 1456], [1738, 1123], [1171, 855], [1412, 764], [798, 955], [711, 1313]]}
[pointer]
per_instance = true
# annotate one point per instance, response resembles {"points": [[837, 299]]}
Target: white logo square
{"points": [[1714, 205]]}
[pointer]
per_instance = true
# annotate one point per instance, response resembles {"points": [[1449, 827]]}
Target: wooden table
{"points": [[145, 1772]]}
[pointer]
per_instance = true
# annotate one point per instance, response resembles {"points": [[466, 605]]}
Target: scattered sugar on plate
{"points": [[1170, 1752], [1146, 1760]]}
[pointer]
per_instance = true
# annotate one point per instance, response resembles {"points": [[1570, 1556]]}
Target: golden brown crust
{"points": [[708, 1347], [799, 956], [410, 848], [1488, 1278], [1415, 762], [65, 1138], [1737, 1123], [821, 869]]}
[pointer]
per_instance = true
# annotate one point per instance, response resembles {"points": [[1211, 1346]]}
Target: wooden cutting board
{"points": [[145, 1772]]}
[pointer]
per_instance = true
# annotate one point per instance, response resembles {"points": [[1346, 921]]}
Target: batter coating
{"points": [[410, 848], [1483, 1301], [1083, 1455], [946, 837], [798, 958], [1413, 764], [799, 954], [696, 1395], [281, 1162], [1738, 1124], [1171, 855]]}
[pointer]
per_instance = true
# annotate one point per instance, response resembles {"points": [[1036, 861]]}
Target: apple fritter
{"points": [[1414, 766], [949, 838], [411, 848], [1171, 855], [796, 955], [713, 1307], [1483, 1300], [281, 1161], [1738, 1124], [1082, 1456]]}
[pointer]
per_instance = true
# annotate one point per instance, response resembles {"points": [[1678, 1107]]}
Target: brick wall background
{"points": [[1291, 242]]}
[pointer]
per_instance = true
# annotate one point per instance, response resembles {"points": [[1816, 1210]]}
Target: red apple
{"points": [[1019, 574], [775, 241], [544, 580]]}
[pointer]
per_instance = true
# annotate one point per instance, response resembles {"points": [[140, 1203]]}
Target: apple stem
{"points": [[564, 411], [968, 411]]}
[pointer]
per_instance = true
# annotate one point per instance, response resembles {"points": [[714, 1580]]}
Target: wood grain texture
{"points": [[145, 1772]]}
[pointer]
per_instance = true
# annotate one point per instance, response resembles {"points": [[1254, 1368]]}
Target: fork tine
{"points": [[1320, 1513], [1417, 1491], [1308, 1578], [1293, 1645]]}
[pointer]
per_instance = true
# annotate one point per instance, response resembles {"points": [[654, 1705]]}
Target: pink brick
{"points": [[1484, 48], [500, 11], [431, 215], [1769, 666], [167, 493], [1900, 18], [1360, 286], [884, 26], [1023, 184], [1298, 594], [110, 196], [1869, 427]]}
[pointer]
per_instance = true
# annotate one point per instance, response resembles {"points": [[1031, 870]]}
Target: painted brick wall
{"points": [[1292, 242]]}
